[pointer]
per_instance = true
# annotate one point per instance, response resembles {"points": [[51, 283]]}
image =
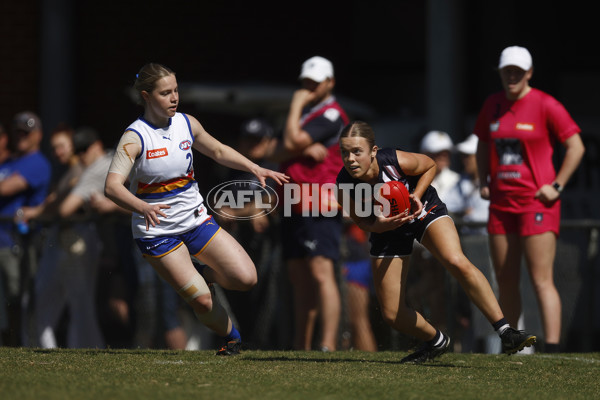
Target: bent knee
{"points": [[246, 280], [202, 304], [390, 315]]}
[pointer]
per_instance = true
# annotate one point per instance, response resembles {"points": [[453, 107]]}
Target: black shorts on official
{"points": [[311, 236], [400, 241]]}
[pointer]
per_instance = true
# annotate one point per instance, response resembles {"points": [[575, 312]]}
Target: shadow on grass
{"points": [[435, 364], [109, 351], [307, 357]]}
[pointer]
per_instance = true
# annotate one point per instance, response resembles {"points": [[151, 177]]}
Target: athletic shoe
{"points": [[514, 340], [230, 348], [427, 352]]}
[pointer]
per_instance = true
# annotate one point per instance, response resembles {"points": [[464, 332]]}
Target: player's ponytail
{"points": [[145, 80]]}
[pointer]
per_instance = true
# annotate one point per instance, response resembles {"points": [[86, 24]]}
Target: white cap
{"points": [[317, 69], [517, 56], [469, 146], [436, 141]]}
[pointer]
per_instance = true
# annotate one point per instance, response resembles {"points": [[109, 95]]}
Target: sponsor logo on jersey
{"points": [[185, 145], [157, 153], [524, 126], [509, 175]]}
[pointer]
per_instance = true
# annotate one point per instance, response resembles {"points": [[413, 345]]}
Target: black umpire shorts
{"points": [[311, 236]]}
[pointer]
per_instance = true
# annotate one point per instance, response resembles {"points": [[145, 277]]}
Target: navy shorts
{"points": [[311, 236], [195, 239], [400, 241]]}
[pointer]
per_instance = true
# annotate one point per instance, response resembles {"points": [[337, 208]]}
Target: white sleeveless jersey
{"points": [[164, 173]]}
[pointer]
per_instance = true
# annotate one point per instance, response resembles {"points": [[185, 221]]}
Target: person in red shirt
{"points": [[518, 128]]}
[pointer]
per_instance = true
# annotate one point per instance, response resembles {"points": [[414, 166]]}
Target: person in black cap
{"points": [[258, 143], [24, 181], [258, 234]]}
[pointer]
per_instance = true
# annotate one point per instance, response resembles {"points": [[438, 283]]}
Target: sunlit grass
{"points": [[155, 374]]}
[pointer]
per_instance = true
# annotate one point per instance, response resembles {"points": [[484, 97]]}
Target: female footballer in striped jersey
{"points": [[392, 241], [169, 219]]}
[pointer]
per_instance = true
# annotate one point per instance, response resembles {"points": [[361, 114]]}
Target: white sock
{"points": [[440, 340], [503, 328]]}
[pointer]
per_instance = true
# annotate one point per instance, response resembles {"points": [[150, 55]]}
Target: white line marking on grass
{"points": [[587, 360], [169, 362], [178, 362]]}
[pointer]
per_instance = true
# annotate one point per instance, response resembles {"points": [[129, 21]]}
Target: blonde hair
{"points": [[145, 80]]}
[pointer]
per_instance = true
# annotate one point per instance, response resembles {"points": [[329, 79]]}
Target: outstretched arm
{"points": [[227, 156]]}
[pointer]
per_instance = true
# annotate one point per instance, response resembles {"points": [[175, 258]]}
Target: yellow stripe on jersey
{"points": [[169, 187]]}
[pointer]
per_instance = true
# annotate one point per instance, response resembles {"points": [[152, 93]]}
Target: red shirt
{"points": [[521, 136], [323, 123]]}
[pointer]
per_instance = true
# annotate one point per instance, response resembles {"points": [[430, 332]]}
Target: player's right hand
{"points": [[316, 151]]}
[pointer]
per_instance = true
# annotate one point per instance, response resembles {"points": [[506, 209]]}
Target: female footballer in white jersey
{"points": [[169, 220]]}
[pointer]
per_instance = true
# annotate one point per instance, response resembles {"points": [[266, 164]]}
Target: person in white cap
{"points": [[438, 145], [516, 129], [464, 199], [311, 242], [430, 293]]}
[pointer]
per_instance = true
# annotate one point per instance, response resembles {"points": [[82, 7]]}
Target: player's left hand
{"points": [[547, 194], [263, 174]]}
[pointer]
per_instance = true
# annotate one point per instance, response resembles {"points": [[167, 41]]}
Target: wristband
{"points": [[557, 186]]}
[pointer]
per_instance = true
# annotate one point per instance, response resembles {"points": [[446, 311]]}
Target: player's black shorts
{"points": [[311, 236], [399, 242]]}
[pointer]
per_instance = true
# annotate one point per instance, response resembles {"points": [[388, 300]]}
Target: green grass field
{"points": [[154, 374]]}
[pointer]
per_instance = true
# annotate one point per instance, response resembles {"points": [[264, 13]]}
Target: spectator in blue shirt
{"points": [[24, 181]]}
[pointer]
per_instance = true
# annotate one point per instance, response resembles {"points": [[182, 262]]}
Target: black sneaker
{"points": [[427, 352], [230, 348], [514, 340]]}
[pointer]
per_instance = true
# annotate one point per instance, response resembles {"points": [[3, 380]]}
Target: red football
{"points": [[398, 197]]}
